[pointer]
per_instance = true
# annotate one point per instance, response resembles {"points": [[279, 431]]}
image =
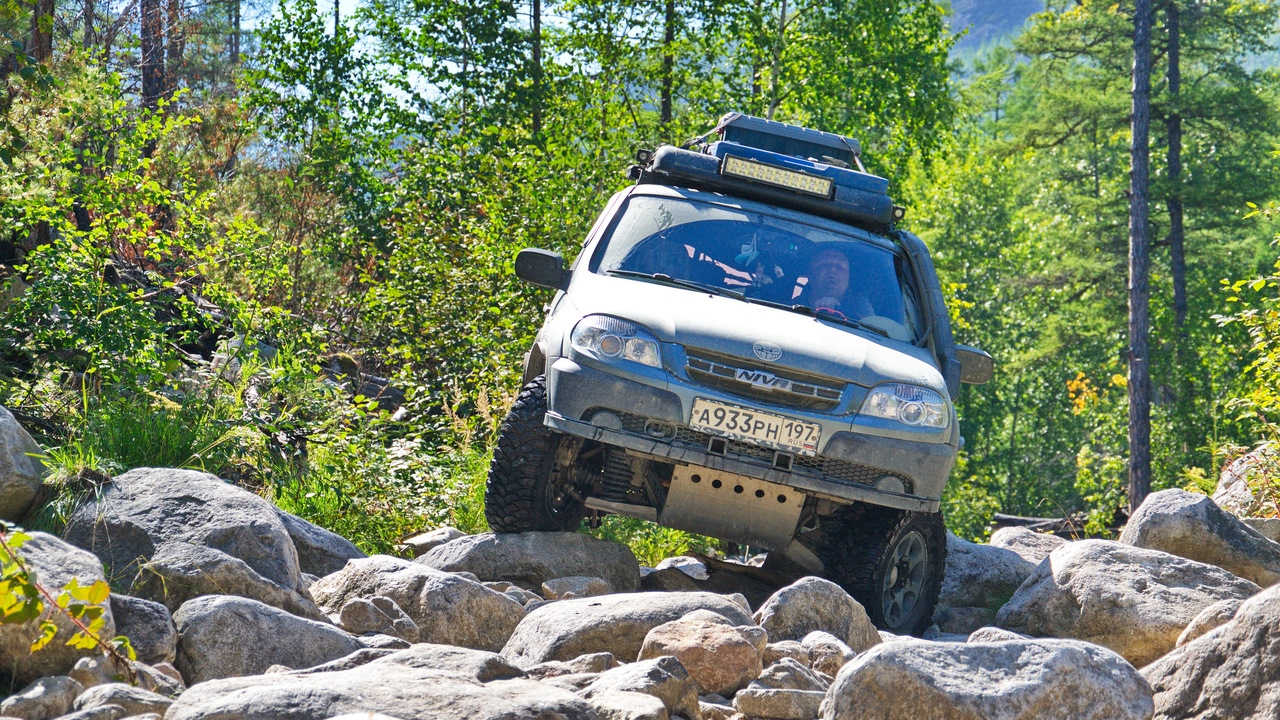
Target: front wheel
{"points": [[889, 560], [529, 488]]}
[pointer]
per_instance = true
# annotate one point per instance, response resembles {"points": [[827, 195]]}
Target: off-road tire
{"points": [[518, 494], [861, 540]]}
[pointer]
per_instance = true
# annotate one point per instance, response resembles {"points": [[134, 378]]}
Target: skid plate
{"points": [[732, 507]]}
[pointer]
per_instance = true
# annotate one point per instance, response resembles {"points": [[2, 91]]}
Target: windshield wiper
{"points": [[678, 282], [847, 321]]}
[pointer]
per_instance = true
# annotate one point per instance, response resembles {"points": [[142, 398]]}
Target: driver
{"points": [[828, 274]]}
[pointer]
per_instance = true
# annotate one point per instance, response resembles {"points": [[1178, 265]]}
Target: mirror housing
{"points": [[976, 366], [543, 268]]}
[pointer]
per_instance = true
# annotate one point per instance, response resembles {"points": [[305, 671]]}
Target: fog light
{"points": [[607, 420], [891, 484]]}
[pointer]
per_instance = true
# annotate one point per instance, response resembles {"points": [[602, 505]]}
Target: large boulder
{"points": [[222, 636], [722, 658], [44, 699], [812, 603], [149, 627], [55, 564], [615, 624], [1193, 526], [142, 510], [1029, 544], [532, 558], [1015, 680], [447, 609], [21, 472], [425, 682], [320, 551], [1132, 600], [1268, 528], [980, 575], [1228, 674], [663, 677], [1210, 619]]}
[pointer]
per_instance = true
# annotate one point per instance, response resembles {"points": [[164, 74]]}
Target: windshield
{"points": [[763, 257]]}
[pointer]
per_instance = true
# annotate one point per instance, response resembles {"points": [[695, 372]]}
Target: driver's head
{"points": [[828, 274]]}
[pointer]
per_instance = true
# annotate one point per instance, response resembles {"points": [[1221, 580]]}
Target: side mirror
{"points": [[542, 267], [976, 366]]}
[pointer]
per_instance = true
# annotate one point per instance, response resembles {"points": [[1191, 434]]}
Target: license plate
{"points": [[760, 428]]}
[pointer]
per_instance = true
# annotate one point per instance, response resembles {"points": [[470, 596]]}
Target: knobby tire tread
{"points": [[521, 457]]}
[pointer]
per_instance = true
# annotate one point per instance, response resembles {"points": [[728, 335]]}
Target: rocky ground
{"points": [[240, 611]]}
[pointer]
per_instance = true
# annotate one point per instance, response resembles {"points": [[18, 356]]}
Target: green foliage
{"points": [[651, 543]]}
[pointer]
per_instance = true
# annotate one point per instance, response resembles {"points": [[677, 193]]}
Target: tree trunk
{"points": [[90, 32], [776, 66], [177, 46], [151, 39], [233, 21], [1177, 259], [42, 31], [668, 57], [1139, 263], [537, 67]]}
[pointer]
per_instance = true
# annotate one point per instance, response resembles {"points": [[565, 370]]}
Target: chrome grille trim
{"points": [[795, 389]]}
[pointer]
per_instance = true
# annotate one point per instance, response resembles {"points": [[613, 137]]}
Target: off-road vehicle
{"points": [[748, 348]]}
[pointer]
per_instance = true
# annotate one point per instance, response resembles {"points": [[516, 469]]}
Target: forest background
{"points": [[275, 241]]}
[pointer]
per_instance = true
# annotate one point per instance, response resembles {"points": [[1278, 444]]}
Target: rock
{"points": [[963, 621], [106, 712], [55, 564], [1193, 527], [21, 473], [668, 580], [354, 660], [1268, 528], [812, 603], [418, 545], [377, 641], [525, 597], [44, 699], [1209, 619], [691, 566], [980, 575], [447, 609], [615, 624], [1028, 544], [779, 704], [936, 635], [567, 588], [664, 678], [717, 711], [1228, 674], [775, 651], [425, 682], [722, 659], [789, 674], [320, 552], [628, 706], [1016, 680], [216, 539], [1233, 493], [1129, 599], [221, 636], [149, 627], [532, 558], [378, 614], [995, 634], [827, 653], [573, 681], [134, 700], [103, 669], [592, 663]]}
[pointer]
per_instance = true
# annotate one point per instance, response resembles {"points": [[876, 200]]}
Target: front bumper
{"points": [[844, 470]]}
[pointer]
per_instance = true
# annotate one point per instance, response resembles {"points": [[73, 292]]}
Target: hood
{"points": [[733, 327]]}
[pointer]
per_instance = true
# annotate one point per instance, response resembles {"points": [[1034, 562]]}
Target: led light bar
{"points": [[770, 175]]}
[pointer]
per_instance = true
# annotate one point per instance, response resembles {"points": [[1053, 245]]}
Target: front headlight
{"points": [[609, 338], [908, 404]]}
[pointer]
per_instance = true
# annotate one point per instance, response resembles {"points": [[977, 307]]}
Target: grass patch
{"points": [[650, 542]]}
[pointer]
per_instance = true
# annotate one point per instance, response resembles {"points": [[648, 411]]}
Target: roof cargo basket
{"points": [[791, 140]]}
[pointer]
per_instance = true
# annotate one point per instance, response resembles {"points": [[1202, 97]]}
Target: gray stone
{"points": [[779, 704], [1232, 673], [1268, 528], [104, 669], [1233, 493], [964, 620], [664, 678], [1131, 600], [43, 699], [55, 564], [149, 627], [106, 712], [379, 641], [691, 566], [717, 711], [720, 657], [1194, 527], [21, 474], [668, 580], [827, 653], [812, 603], [1016, 680], [625, 705], [378, 615], [320, 551], [775, 651], [980, 575], [790, 674], [567, 588], [134, 700], [354, 660], [447, 609], [995, 634], [594, 663], [1209, 619], [572, 681], [425, 682], [526, 597], [614, 624], [221, 636], [146, 508], [1028, 544], [532, 558], [420, 544]]}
